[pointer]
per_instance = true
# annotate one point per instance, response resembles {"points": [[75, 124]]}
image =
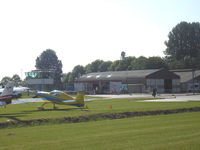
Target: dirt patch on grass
{"points": [[95, 117]]}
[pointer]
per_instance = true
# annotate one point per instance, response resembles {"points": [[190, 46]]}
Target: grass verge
{"points": [[95, 117]]}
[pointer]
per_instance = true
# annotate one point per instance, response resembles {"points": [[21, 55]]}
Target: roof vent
{"points": [[98, 76], [108, 76], [89, 76]]}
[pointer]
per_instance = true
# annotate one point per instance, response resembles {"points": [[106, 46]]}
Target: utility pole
{"points": [[193, 81]]}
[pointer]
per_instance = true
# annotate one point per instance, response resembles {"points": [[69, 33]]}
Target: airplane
{"points": [[55, 97], [17, 91], [59, 97], [7, 94]]}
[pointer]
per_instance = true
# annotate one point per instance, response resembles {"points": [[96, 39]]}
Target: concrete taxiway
{"points": [[166, 97]]}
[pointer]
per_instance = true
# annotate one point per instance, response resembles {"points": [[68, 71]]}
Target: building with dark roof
{"points": [[189, 79], [135, 81]]}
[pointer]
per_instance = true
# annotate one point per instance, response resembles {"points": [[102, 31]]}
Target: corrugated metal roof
{"points": [[116, 75], [186, 76]]}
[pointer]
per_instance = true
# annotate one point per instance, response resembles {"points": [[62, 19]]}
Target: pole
{"points": [[193, 81]]}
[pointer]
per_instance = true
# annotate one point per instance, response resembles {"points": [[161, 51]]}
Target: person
{"points": [[154, 92], [96, 89], [124, 89]]}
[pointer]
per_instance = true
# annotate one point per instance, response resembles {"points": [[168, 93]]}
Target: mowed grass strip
{"points": [[95, 117], [28, 111], [163, 132]]}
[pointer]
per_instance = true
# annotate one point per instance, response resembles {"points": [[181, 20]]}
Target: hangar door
{"points": [[168, 85]]}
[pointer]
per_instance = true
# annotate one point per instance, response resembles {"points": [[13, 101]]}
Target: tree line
{"points": [[182, 52], [15, 79]]}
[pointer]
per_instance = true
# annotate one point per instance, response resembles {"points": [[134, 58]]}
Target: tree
{"points": [[125, 64], [155, 62], [49, 60], [94, 66], [184, 44], [78, 71], [70, 80], [104, 66], [5, 80], [139, 63], [122, 65], [114, 65], [67, 79], [16, 80]]}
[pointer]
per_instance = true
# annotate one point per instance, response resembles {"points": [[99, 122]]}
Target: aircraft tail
{"points": [[80, 98], [8, 90]]}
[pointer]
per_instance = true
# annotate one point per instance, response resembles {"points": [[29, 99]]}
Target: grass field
{"points": [[29, 111], [164, 132]]}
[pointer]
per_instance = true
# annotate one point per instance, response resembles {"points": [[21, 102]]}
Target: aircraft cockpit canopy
{"points": [[56, 93]]}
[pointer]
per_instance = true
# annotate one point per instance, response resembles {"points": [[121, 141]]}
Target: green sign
{"points": [[31, 74]]}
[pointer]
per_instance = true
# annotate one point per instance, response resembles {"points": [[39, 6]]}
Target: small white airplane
{"points": [[7, 94], [17, 91]]}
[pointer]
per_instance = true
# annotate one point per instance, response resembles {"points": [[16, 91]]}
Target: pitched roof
{"points": [[124, 75], [186, 75], [116, 75]]}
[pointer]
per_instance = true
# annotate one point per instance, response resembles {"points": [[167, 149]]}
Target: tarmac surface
{"points": [[166, 97]]}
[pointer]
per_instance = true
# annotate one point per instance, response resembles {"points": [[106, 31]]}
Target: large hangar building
{"points": [[136, 81]]}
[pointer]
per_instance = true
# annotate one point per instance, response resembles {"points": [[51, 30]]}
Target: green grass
{"points": [[29, 111], [25, 94], [164, 132]]}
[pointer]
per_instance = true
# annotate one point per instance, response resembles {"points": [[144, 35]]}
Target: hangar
{"points": [[189, 79], [135, 81]]}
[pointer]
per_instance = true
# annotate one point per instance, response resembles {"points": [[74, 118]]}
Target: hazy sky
{"points": [[81, 31]]}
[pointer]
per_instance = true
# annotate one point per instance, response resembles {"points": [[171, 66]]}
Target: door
{"points": [[168, 85]]}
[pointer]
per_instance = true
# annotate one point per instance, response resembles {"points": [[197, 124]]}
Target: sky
{"points": [[82, 31]]}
